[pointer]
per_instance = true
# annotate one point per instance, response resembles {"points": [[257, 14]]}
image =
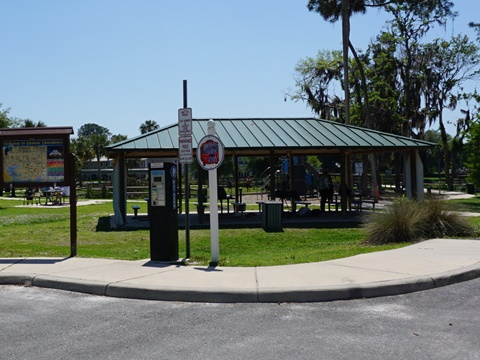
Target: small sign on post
{"points": [[185, 150], [210, 152], [185, 136], [185, 122]]}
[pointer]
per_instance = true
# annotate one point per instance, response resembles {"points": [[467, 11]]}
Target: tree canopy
{"points": [[402, 82], [7, 121], [147, 126], [4, 119]]}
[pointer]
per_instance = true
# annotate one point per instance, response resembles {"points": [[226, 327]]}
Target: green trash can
{"points": [[272, 212], [470, 189]]}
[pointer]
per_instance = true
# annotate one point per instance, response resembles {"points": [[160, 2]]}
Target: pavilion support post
{"points": [[414, 176], [343, 183], [348, 170], [413, 173], [420, 176], [407, 170], [373, 180], [291, 173], [272, 176], [235, 164], [123, 193], [119, 190]]}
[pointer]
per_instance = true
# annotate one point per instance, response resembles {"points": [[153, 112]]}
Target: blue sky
{"points": [[119, 63]]}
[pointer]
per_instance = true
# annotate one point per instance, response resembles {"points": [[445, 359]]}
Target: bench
{"points": [[200, 208], [28, 196], [334, 200], [358, 201], [301, 202], [136, 194], [370, 201], [222, 195], [239, 207]]}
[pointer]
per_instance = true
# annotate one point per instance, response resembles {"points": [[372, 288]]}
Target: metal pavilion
{"points": [[272, 137]]}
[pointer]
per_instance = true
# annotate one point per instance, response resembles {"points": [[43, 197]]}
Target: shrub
{"points": [[441, 221], [400, 222], [409, 221]]}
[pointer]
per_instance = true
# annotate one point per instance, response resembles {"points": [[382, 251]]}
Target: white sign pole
{"points": [[212, 183], [210, 154]]}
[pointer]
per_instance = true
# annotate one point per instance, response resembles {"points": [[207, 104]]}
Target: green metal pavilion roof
{"points": [[279, 136]]}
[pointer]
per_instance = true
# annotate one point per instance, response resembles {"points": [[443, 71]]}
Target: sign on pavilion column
{"points": [[210, 154]]}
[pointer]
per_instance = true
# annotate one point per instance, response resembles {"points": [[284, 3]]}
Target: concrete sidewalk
{"points": [[421, 266]]}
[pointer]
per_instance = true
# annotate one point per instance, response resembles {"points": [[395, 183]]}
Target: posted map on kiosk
{"points": [[33, 161]]}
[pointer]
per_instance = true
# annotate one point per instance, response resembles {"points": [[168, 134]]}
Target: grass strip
{"points": [[45, 232]]}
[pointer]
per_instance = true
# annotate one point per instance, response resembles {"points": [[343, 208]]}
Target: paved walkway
{"points": [[421, 266]]}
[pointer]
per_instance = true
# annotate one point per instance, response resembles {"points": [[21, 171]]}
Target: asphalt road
{"points": [[41, 323]]}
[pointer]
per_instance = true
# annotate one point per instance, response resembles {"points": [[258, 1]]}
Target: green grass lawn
{"points": [[468, 205], [45, 232]]}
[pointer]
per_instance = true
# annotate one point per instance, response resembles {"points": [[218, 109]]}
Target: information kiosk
{"points": [[163, 210]]}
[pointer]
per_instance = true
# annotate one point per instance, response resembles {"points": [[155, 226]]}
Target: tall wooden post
{"points": [[73, 206]]}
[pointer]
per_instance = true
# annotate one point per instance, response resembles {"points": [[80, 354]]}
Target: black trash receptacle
{"points": [[272, 212], [470, 189]]}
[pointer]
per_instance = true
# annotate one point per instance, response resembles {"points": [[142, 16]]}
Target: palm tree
{"points": [[99, 142], [30, 123], [117, 138], [97, 137], [148, 125], [83, 150], [332, 11]]}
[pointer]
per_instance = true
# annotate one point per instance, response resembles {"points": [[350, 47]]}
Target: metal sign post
{"points": [[185, 157]]}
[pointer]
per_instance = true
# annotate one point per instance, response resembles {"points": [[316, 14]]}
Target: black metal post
{"points": [[187, 188]]}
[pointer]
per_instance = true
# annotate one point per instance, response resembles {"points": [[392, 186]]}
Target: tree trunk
{"points": [[446, 149], [368, 122], [446, 154], [345, 41], [99, 169]]}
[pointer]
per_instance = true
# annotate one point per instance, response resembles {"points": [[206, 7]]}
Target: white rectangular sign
{"points": [[185, 150], [358, 168], [185, 122]]}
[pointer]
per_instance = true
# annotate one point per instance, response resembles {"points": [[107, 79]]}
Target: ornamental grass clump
{"points": [[441, 221], [402, 221], [409, 221]]}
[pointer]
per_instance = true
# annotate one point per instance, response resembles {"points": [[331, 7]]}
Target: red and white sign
{"points": [[210, 152], [185, 122], [185, 150]]}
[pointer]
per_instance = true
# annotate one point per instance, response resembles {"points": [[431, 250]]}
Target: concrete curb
{"points": [[92, 287], [456, 276], [300, 295], [16, 279], [346, 292], [181, 294]]}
